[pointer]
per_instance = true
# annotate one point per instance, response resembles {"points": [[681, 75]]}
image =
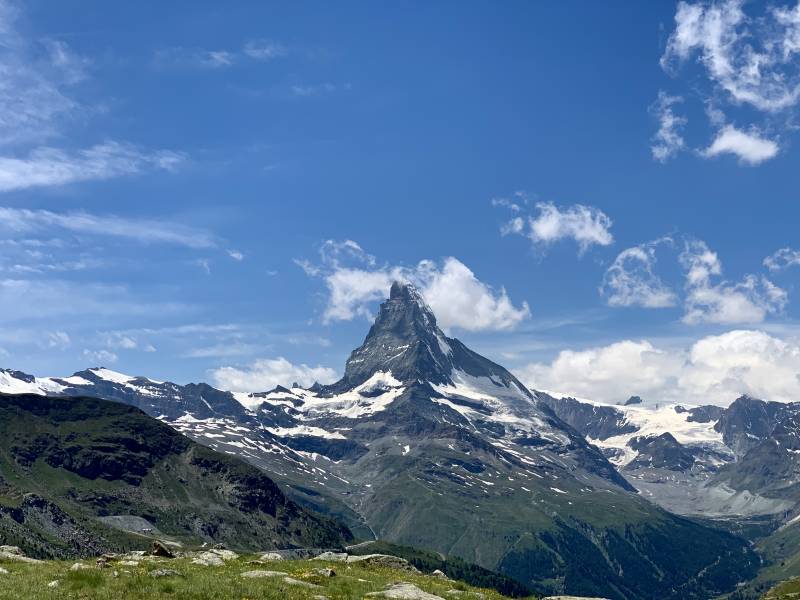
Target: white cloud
{"points": [[100, 357], [782, 259], [236, 255], [58, 339], [713, 370], [631, 280], [52, 166], [264, 50], [265, 374], [319, 88], [21, 220], [586, 225], [459, 299], [668, 140], [748, 301], [752, 60], [750, 148]]}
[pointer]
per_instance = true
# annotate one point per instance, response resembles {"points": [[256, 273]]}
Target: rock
{"points": [[319, 598], [270, 556], [332, 556], [462, 592], [54, 584], [405, 591], [160, 549], [129, 563], [259, 574], [383, 560], [3, 571], [438, 573], [324, 572], [164, 573], [305, 584], [79, 567], [209, 561], [14, 554], [218, 547], [102, 563]]}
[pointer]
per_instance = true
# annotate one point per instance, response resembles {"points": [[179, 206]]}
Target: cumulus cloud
{"points": [[668, 140], [748, 301], [100, 357], [265, 374], [632, 281], [713, 370], [749, 147], [782, 259], [586, 225], [355, 283]]}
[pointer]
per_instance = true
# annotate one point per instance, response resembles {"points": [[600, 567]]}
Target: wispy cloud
{"points": [[319, 88], [782, 259], [200, 58], [748, 60], [47, 166], [21, 220], [38, 90], [668, 140], [631, 280]]}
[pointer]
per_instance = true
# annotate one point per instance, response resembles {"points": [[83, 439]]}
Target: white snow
{"points": [[305, 430], [110, 375]]}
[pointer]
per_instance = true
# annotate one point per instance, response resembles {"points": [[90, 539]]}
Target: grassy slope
{"points": [[213, 583], [96, 458]]}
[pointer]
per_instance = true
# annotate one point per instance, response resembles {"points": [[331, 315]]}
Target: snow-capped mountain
{"points": [[693, 460], [425, 442]]}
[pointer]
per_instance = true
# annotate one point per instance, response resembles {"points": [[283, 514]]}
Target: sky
{"points": [[603, 197]]}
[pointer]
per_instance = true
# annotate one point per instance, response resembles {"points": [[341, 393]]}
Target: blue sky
{"points": [[585, 192]]}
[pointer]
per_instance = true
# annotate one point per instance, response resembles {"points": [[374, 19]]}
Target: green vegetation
{"points": [[25, 581], [68, 469]]}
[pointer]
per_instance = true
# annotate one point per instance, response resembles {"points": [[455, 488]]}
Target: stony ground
{"points": [[221, 574], [788, 590]]}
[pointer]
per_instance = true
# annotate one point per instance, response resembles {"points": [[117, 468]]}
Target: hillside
{"points": [[82, 476]]}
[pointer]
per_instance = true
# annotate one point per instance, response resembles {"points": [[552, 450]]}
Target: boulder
{"points": [[259, 574], [160, 549], [332, 556], [54, 584], [404, 591], [3, 571], [383, 560], [323, 572], [14, 554], [439, 574], [270, 556], [164, 573], [79, 567]]}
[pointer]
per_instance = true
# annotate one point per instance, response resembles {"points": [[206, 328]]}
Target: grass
{"points": [[788, 590], [25, 581]]}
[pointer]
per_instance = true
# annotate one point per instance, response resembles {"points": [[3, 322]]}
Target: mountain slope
{"points": [[76, 473], [424, 442]]}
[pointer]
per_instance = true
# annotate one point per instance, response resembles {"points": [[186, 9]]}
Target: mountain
{"points": [[425, 443], [81, 476], [709, 461]]}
